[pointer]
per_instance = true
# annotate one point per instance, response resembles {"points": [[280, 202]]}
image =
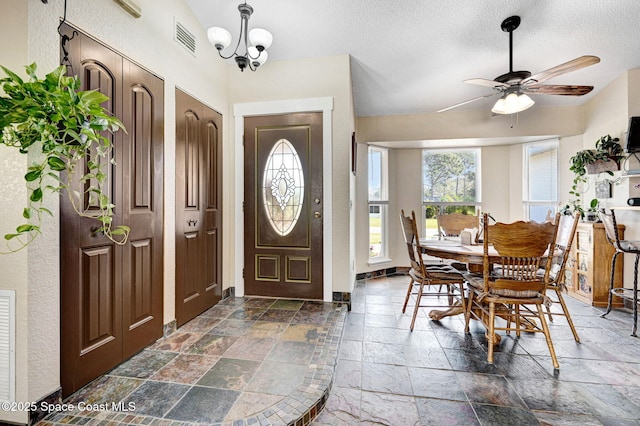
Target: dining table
{"points": [[453, 249]]}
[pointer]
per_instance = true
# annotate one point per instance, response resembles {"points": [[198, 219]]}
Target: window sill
{"points": [[379, 261]]}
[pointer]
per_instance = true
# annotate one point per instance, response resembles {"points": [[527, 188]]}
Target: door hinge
{"points": [[242, 272], [243, 206]]}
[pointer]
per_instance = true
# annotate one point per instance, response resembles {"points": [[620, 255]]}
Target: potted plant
{"points": [[591, 215], [60, 126], [605, 158], [609, 152]]}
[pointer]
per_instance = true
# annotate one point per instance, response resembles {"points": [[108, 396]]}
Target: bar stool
{"points": [[621, 246]]}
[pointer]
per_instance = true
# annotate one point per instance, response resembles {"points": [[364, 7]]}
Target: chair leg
{"points": [[613, 269], [547, 335], [406, 299], [518, 320], [635, 297], [463, 301], [415, 309], [566, 314], [549, 313], [492, 331], [467, 311]]}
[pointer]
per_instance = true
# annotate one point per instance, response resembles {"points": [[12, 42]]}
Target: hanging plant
{"points": [[608, 152], [61, 126]]}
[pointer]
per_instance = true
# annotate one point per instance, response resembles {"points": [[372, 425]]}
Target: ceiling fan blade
{"points": [[557, 89], [465, 102], [486, 83], [573, 65]]}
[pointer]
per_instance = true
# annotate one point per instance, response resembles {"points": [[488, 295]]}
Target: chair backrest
{"points": [[522, 249], [610, 227], [567, 225], [412, 240], [453, 223]]}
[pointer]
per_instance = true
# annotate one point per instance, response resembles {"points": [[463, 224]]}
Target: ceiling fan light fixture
{"points": [[512, 103]]}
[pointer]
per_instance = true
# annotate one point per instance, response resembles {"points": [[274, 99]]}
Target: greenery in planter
{"points": [[607, 149], [61, 125]]}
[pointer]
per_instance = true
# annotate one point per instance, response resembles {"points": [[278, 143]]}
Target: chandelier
{"points": [[255, 54], [512, 102]]}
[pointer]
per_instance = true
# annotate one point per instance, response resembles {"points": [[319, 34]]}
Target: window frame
{"points": [[382, 202], [527, 203]]}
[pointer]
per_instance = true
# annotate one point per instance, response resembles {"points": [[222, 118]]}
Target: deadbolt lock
{"points": [[317, 215]]}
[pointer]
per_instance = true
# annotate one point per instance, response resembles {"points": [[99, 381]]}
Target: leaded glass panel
{"points": [[283, 187]]}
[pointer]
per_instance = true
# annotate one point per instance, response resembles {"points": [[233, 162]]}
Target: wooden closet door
{"points": [[111, 295], [198, 213]]}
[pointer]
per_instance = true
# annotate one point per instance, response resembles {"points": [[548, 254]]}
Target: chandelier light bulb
{"points": [[260, 37], [257, 58], [219, 37]]}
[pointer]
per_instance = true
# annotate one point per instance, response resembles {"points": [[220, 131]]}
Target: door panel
{"points": [[111, 295], [198, 195], [283, 206], [91, 311], [141, 167]]}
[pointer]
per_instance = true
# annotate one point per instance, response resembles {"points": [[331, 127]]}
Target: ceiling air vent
{"points": [[185, 38]]}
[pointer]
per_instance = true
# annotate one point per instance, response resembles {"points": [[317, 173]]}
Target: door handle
{"points": [[317, 215]]}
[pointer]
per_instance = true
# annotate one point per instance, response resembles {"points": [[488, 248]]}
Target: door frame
{"points": [[240, 111]]}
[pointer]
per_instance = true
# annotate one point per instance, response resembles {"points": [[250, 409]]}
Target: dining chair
{"points": [[566, 231], [452, 224], [423, 277], [511, 290], [621, 246]]}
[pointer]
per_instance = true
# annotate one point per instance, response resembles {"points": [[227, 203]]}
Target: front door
{"points": [[111, 295], [198, 212], [283, 206]]}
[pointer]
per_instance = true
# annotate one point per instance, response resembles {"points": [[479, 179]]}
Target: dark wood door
{"points": [[198, 212], [283, 206], [111, 295]]}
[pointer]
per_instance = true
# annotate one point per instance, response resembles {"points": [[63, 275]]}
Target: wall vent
{"points": [[185, 38], [7, 345]]}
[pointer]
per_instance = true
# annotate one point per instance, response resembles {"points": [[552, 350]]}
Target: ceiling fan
{"points": [[515, 85]]}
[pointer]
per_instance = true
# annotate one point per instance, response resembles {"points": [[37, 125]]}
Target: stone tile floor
{"points": [[246, 361], [438, 375], [263, 361]]}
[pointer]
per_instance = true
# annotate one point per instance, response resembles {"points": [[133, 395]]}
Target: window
{"points": [[540, 183], [450, 183], [378, 203]]}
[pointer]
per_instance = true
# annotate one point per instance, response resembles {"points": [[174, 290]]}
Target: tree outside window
{"points": [[450, 183]]}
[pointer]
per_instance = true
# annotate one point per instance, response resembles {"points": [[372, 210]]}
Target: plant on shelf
{"points": [[61, 127], [591, 215], [605, 158]]}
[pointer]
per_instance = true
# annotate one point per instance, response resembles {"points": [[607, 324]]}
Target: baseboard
{"points": [[379, 273]]}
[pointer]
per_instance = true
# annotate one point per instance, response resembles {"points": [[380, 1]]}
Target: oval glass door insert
{"points": [[283, 187]]}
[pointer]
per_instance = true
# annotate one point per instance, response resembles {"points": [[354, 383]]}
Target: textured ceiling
{"points": [[411, 56]]}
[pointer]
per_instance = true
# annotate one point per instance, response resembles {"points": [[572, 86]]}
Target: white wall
{"points": [[311, 78], [13, 196], [608, 113]]}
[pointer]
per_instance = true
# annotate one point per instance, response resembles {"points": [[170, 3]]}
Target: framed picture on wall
{"points": [[354, 153], [603, 189]]}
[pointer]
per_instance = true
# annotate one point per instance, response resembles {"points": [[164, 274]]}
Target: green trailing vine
{"points": [[62, 126], [607, 149]]}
